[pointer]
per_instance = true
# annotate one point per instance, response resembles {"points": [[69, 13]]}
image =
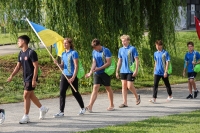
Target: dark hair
{"points": [[190, 43], [159, 42], [69, 40], [95, 42], [25, 38]]}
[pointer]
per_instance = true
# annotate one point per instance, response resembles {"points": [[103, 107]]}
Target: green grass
{"points": [[49, 80], [181, 123], [8, 38]]}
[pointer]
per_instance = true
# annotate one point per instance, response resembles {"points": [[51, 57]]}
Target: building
{"points": [[193, 9]]}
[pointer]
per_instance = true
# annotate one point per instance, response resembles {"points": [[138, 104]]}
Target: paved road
{"points": [[11, 49], [100, 118]]}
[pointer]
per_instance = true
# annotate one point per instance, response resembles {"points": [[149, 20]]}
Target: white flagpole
{"points": [[50, 53]]}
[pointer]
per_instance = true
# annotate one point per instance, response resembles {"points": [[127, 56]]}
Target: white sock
{"points": [[42, 108]]}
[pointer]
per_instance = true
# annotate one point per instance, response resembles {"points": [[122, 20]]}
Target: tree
{"points": [[107, 20]]}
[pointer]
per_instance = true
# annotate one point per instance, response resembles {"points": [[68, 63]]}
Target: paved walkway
{"points": [[11, 49], [100, 118]]}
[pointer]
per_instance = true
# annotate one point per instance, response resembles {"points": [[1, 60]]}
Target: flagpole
{"points": [[50, 54]]}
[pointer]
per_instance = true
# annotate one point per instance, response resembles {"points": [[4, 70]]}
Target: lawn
{"points": [[179, 123], [6, 38]]}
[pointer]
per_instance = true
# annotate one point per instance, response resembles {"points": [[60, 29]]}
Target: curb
{"points": [[7, 44]]}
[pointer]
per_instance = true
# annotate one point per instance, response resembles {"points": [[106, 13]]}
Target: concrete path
{"points": [[100, 117], [11, 49]]}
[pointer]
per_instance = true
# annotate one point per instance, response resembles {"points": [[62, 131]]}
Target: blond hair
{"points": [[127, 37]]}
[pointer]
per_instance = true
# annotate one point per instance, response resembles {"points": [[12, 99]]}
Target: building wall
{"points": [[193, 9]]}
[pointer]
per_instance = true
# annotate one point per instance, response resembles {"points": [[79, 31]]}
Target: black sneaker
{"points": [[196, 93], [189, 96]]}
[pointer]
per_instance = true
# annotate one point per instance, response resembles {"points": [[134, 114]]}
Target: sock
{"points": [[42, 108]]}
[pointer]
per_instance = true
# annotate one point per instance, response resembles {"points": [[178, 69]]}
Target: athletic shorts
{"points": [[102, 79], [127, 76], [192, 75], [28, 86]]}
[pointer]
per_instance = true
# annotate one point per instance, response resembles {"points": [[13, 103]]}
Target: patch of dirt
{"points": [[9, 66]]}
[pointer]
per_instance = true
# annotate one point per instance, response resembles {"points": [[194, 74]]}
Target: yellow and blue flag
{"points": [[49, 37]]}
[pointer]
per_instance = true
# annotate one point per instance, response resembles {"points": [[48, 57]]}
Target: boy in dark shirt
{"points": [[29, 61]]}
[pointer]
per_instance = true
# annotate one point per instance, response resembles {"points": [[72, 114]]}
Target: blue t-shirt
{"points": [[67, 58], [100, 57], [189, 57], [128, 55], [161, 57]]}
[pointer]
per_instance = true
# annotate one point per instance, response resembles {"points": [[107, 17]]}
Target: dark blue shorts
{"points": [[28, 86], [192, 75], [102, 79], [127, 76]]}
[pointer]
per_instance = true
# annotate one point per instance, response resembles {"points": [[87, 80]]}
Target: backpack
{"points": [[81, 71], [169, 71], [132, 65], [111, 69]]}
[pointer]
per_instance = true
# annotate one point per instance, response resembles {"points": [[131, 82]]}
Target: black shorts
{"points": [[192, 75], [102, 79], [28, 86], [127, 76]]}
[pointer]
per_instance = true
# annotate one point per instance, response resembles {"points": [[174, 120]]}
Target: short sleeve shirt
{"points": [[68, 61], [189, 57], [128, 55], [26, 59], [100, 57], [161, 57]]}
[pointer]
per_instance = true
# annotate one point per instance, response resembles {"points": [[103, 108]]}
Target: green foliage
{"points": [[84, 20]]}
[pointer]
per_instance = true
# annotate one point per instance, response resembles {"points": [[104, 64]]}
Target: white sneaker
{"points": [[82, 111], [60, 114], [25, 119], [2, 116], [169, 99], [152, 100], [43, 112]]}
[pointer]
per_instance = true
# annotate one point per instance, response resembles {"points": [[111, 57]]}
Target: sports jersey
{"points": [[161, 57], [189, 57], [26, 59], [128, 55], [100, 57], [67, 58]]}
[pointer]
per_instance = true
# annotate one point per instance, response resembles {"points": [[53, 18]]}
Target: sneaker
{"points": [[152, 100], [60, 114], [138, 100], [196, 93], [169, 99], [43, 112], [82, 111], [25, 119], [189, 96], [2, 116]]}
